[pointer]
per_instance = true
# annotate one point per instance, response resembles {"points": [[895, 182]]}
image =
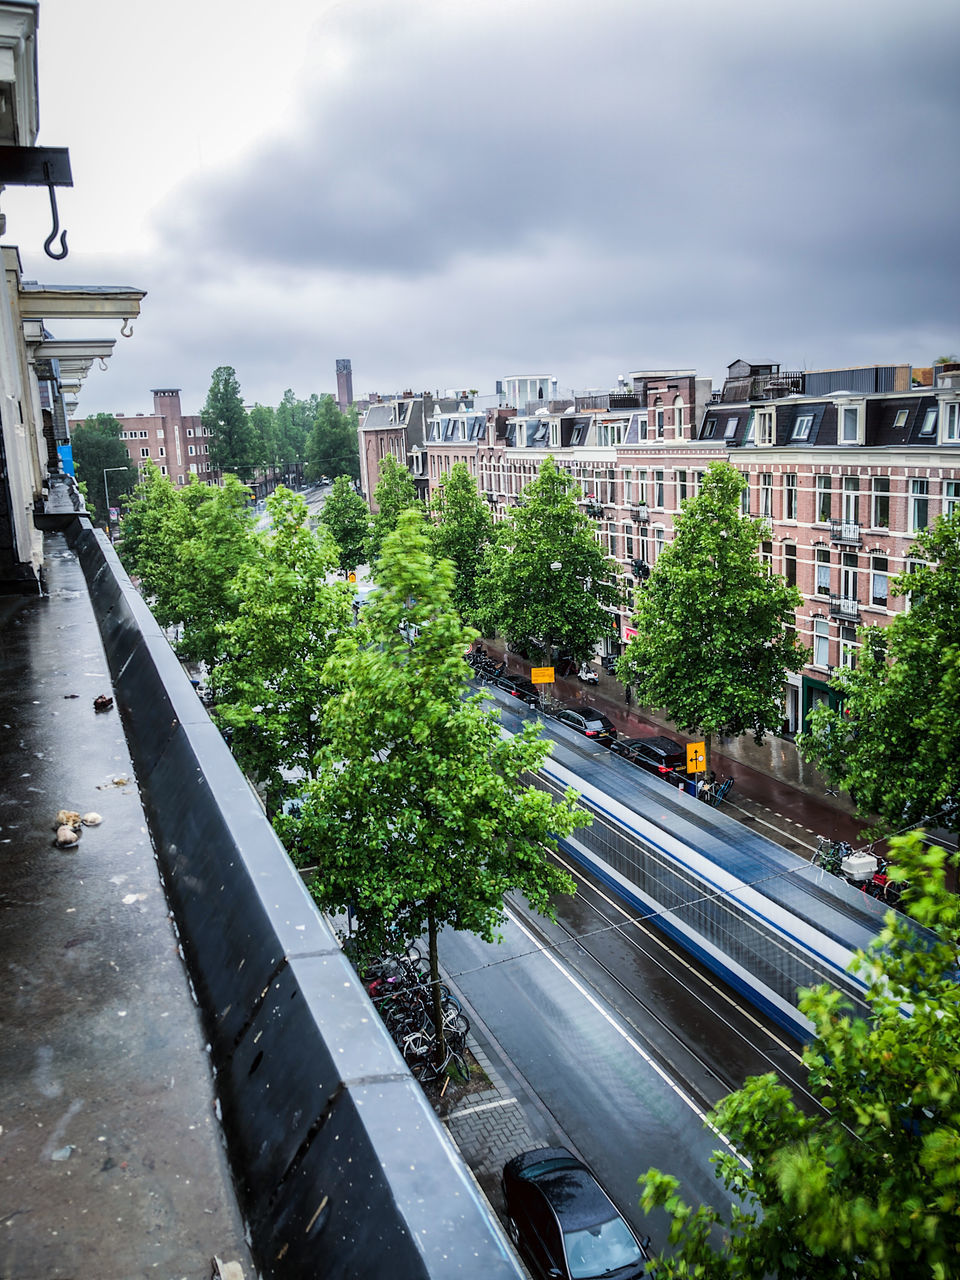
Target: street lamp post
{"points": [[106, 497]]}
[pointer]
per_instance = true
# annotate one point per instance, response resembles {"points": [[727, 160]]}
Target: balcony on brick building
{"points": [[845, 607], [846, 532]]}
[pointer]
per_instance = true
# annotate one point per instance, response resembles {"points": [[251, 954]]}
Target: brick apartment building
{"points": [[847, 466], [176, 442]]}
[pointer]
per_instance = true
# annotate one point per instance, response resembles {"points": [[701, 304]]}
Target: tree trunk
{"points": [[435, 985]]}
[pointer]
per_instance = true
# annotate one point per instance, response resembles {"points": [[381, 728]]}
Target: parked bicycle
{"points": [[403, 995], [830, 855], [712, 793], [839, 858]]}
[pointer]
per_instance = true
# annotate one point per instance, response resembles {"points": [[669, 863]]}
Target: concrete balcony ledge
{"points": [[177, 937]]}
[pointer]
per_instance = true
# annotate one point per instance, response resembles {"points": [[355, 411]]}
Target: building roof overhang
{"points": [[79, 302]]}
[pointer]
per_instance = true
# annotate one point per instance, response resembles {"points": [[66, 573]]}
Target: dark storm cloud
{"points": [[471, 190], [818, 132]]}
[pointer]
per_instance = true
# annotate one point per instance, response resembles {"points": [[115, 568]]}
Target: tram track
{"points": [[773, 1051]]}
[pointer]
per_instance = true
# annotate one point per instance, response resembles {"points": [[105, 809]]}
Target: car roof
{"points": [[667, 745], [588, 713], [574, 1193]]}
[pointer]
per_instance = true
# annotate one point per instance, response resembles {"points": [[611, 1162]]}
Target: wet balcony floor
{"points": [[111, 1161]]}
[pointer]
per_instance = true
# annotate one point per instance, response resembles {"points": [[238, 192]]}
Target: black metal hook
{"points": [[56, 221]]}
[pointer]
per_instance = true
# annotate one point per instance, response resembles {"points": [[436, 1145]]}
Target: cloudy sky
{"points": [[450, 191]]}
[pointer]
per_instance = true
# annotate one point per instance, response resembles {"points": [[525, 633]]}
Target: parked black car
{"points": [[566, 1225], [656, 755], [519, 687], [592, 724]]}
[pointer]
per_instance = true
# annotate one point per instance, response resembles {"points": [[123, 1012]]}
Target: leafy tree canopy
{"points": [[294, 420], [868, 1188], [263, 423], [346, 516], [333, 447], [714, 640], [418, 817], [461, 531], [219, 539], [395, 492], [186, 547], [270, 685], [97, 447], [895, 742], [546, 581], [233, 443], [153, 526]]}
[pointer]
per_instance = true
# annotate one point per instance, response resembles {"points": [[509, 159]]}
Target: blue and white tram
{"points": [[762, 918]]}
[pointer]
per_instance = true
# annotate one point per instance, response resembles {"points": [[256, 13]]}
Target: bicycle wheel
{"points": [[416, 1044], [455, 1024], [455, 1066], [893, 893], [423, 1070]]}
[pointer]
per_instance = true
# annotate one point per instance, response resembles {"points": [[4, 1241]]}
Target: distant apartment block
{"points": [[846, 465], [176, 442]]}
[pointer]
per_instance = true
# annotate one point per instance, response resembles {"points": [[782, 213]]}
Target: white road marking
{"points": [[480, 1106], [685, 1098]]}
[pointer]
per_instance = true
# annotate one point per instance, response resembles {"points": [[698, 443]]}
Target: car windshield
{"points": [[600, 1248]]}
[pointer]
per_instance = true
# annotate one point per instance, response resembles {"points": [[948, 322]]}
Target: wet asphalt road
{"points": [[625, 1041]]}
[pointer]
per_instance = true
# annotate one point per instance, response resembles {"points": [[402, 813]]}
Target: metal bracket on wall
{"points": [[39, 167]]}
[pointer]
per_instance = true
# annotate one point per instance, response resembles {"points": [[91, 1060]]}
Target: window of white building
{"points": [[929, 427], [849, 431], [765, 426], [790, 496], [919, 504], [766, 495], [821, 642], [879, 581], [822, 586]]}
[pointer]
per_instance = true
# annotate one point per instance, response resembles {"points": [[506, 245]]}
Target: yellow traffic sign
{"points": [[352, 577], [542, 675], [696, 757]]}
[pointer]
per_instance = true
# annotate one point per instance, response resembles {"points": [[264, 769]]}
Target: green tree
{"points": [[714, 625], [333, 447], [294, 420], [868, 1188], [346, 515], [895, 742], [269, 684], [395, 492], [546, 582], [461, 531], [233, 442], [218, 538], [263, 423], [418, 818], [153, 527], [97, 447]]}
